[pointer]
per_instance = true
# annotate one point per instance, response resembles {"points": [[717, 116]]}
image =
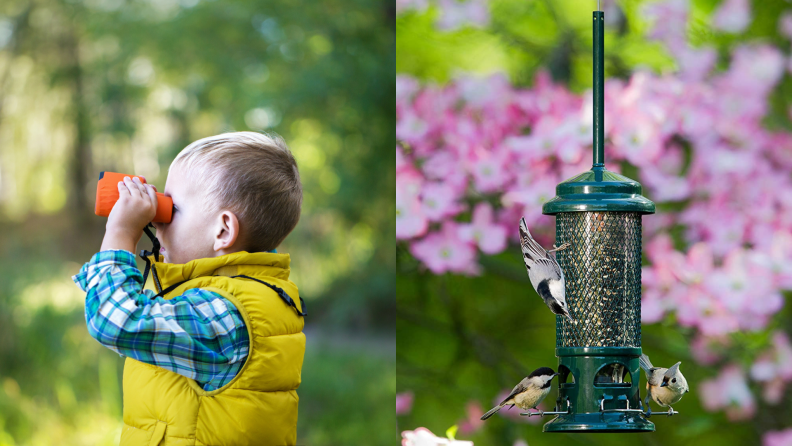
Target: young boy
{"points": [[216, 360]]}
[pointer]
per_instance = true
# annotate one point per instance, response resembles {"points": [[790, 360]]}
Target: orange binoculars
{"points": [[107, 196]]}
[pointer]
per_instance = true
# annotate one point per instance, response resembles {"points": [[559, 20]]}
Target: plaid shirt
{"points": [[199, 334]]}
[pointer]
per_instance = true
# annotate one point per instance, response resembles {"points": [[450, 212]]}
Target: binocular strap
{"points": [[145, 256]]}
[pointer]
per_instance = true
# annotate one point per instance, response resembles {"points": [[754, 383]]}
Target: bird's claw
{"points": [[559, 248], [670, 411]]}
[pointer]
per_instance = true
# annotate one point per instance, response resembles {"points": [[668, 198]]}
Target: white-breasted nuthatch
{"points": [[664, 386], [529, 392], [544, 272]]}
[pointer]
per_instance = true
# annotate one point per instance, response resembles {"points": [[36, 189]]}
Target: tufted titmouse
{"points": [[664, 386]]}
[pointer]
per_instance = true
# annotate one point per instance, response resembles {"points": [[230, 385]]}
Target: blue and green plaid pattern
{"points": [[199, 334]]}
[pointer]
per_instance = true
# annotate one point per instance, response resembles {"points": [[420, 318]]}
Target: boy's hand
{"points": [[135, 208]]}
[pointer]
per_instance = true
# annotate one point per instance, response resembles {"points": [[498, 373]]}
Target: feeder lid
{"points": [[599, 190]]}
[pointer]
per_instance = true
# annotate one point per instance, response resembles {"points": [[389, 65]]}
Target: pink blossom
{"points": [[777, 438], [424, 437], [406, 87], [410, 219], [696, 64], [489, 168], [404, 403], [489, 236], [775, 363], [444, 252], [706, 350], [776, 255], [773, 391], [652, 307], [410, 127], [406, 5], [745, 289], [755, 68], [733, 16], [729, 391], [665, 187], [472, 422], [455, 14], [440, 200], [669, 19], [785, 25]]}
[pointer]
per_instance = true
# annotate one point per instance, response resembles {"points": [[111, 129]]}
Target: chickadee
{"points": [[664, 386], [529, 393], [544, 272]]}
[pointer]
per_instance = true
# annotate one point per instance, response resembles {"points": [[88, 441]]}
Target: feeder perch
{"points": [[599, 214]]}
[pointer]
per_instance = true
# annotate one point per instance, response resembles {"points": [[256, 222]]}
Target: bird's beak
{"points": [[664, 384], [556, 374]]}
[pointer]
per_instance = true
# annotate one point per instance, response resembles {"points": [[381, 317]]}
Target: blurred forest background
{"points": [[494, 110], [124, 85]]}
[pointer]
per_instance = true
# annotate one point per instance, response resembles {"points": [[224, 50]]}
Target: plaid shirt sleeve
{"points": [[199, 334]]}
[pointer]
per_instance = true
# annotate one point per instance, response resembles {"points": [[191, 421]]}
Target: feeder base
{"points": [[599, 422]]}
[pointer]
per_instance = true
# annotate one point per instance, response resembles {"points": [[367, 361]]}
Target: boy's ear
{"points": [[226, 231]]}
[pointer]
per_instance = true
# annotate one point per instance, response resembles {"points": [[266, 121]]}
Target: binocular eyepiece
{"points": [[107, 196]]}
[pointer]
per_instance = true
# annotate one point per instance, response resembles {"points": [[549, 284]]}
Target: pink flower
{"points": [[776, 362], [473, 422], [439, 200], [404, 403], [733, 16], [489, 236], [696, 64], [776, 255], [785, 25], [705, 349], [697, 264], [455, 14], [664, 187], [424, 437], [745, 289], [755, 68], [777, 438], [444, 252], [652, 307], [729, 391], [406, 5], [406, 86], [410, 127], [489, 168], [669, 19], [410, 218]]}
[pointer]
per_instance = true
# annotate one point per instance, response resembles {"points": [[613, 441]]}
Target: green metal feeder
{"points": [[599, 213]]}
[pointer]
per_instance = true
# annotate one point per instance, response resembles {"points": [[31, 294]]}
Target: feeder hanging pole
{"points": [[599, 89]]}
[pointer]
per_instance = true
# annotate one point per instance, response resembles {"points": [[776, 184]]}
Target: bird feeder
{"points": [[599, 214]]}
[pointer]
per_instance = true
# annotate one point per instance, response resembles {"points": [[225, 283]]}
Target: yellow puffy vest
{"points": [[259, 406]]}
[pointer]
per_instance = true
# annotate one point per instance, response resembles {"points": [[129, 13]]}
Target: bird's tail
{"points": [[491, 412], [524, 228], [645, 363]]}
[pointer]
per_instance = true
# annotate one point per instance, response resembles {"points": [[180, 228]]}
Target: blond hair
{"points": [[254, 176]]}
